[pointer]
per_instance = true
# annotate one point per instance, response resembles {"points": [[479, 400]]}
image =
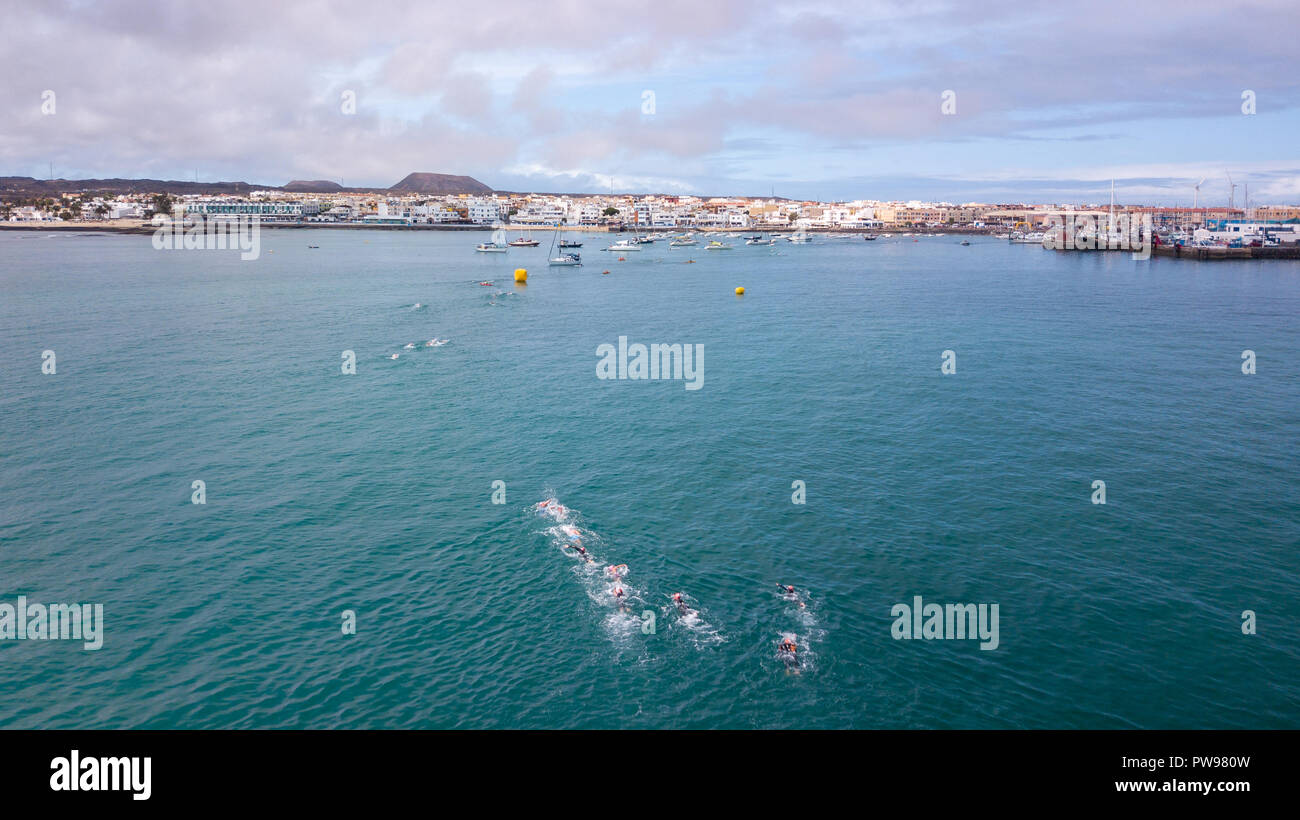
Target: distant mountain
{"points": [[438, 184], [313, 186]]}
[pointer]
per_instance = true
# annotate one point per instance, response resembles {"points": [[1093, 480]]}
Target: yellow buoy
{"points": [[740, 291], [521, 276]]}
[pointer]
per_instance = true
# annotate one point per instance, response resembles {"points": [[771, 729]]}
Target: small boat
{"points": [[799, 238], [1032, 238], [682, 242], [521, 242], [965, 241], [758, 240], [566, 243], [871, 237], [624, 245], [566, 260], [490, 247], [715, 245]]}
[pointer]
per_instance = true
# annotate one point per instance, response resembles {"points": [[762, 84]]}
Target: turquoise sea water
{"points": [[373, 492]]}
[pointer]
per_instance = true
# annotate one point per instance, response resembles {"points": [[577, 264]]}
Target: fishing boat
{"points": [[569, 243]]}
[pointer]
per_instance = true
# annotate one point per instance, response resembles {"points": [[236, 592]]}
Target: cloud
{"points": [[747, 91]]}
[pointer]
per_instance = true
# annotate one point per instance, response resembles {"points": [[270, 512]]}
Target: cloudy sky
{"points": [[828, 100]]}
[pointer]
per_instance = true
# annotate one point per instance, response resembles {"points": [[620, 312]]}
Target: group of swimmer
{"points": [[434, 342], [788, 649], [573, 536]]}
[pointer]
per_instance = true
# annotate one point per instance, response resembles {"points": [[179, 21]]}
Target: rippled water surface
{"points": [[373, 492]]}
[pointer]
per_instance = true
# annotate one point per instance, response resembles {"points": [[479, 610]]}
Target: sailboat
{"points": [[526, 242], [566, 260]]}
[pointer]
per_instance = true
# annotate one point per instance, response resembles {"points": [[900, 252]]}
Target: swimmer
{"points": [[409, 346], [680, 603], [617, 571], [430, 343], [791, 595], [394, 356], [788, 651], [618, 594], [571, 532]]}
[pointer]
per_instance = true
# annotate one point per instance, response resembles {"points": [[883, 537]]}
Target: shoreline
{"points": [[136, 227]]}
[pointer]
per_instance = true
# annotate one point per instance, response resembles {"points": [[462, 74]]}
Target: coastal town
{"points": [[611, 212]]}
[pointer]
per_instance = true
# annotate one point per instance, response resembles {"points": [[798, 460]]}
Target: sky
{"points": [[939, 101]]}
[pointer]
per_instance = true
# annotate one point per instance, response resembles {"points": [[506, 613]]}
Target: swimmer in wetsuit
{"points": [[790, 594], [788, 651]]}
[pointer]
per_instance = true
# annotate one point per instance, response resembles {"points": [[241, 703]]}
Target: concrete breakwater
{"points": [[1216, 253]]}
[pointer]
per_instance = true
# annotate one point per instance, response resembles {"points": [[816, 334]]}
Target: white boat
{"points": [[682, 242], [760, 241], [1032, 238], [490, 247], [715, 245], [799, 239], [624, 245]]}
